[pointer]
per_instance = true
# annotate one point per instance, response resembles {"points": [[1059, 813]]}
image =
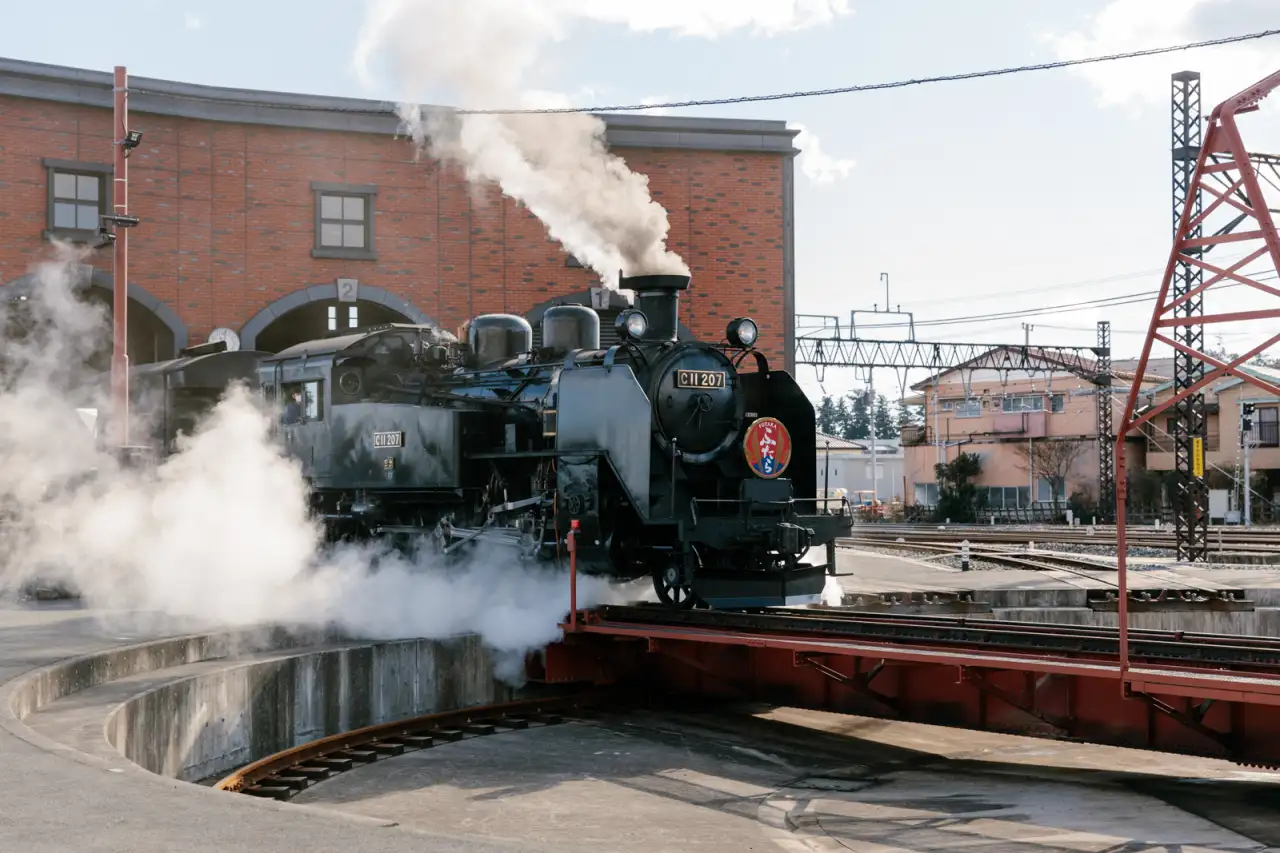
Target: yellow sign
{"points": [[1197, 456]]}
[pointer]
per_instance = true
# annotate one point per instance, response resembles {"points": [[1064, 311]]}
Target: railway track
{"points": [[282, 775], [980, 552], [1239, 653], [1228, 538]]}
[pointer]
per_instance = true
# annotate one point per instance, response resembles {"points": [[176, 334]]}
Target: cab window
{"points": [[303, 402]]}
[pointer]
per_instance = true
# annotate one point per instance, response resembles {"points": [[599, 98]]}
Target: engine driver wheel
{"points": [[673, 591]]}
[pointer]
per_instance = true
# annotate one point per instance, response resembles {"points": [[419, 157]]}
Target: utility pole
{"points": [[120, 264], [1026, 328], [871, 408]]}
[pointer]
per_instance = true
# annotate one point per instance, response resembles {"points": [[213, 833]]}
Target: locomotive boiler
{"points": [[675, 462]]}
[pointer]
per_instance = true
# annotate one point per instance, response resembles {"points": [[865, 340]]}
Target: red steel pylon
{"points": [[1227, 174]]}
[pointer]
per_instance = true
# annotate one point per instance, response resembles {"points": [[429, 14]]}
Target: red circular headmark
{"points": [[767, 447]]}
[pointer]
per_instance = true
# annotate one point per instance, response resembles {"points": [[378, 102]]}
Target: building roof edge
{"points": [[86, 87]]}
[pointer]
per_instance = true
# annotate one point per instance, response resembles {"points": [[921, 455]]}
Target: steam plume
{"points": [[483, 54], [219, 534]]}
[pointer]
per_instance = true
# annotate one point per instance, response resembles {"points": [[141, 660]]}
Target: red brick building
{"points": [[282, 216]]}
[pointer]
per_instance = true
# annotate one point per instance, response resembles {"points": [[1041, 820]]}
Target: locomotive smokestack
{"points": [[658, 296]]}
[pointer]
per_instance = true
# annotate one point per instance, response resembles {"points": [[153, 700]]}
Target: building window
{"points": [[344, 221], [1022, 403], [78, 196], [353, 317], [971, 408], [1008, 497], [1058, 404], [1265, 427], [926, 494], [1046, 491]]}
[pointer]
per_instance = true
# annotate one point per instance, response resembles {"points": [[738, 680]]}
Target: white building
{"points": [[846, 464]]}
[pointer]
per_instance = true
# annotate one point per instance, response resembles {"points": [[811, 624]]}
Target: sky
{"points": [[1001, 194]]}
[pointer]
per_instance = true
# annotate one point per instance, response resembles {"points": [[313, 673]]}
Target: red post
{"points": [[120, 264], [1122, 495], [573, 575]]}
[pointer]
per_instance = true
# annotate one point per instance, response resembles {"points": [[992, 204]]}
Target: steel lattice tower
{"points": [[1191, 493], [1106, 434]]}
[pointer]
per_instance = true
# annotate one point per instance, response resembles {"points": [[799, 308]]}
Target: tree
{"points": [[910, 416], [859, 424], [958, 498], [1051, 459], [843, 418], [829, 417], [886, 424]]}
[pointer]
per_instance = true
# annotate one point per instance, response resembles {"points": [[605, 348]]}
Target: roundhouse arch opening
{"points": [[606, 303], [317, 312], [155, 332]]}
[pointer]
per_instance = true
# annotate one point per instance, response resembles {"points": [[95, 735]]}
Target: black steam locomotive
{"points": [[672, 462]]}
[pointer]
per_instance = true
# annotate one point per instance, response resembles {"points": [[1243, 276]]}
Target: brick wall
{"points": [[228, 216]]}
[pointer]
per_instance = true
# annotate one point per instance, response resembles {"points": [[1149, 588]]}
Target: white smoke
{"points": [[219, 533], [484, 53]]}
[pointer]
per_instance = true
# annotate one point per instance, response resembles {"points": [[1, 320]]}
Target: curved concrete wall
{"points": [[73, 676], [210, 724], [201, 725]]}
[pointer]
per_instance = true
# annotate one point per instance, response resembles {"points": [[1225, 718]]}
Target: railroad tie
{"points": [[513, 723], [337, 765], [311, 771], [275, 792], [296, 783], [446, 734]]}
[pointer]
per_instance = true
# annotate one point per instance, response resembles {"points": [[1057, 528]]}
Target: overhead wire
{"points": [[1066, 308], [268, 101], [874, 87]]}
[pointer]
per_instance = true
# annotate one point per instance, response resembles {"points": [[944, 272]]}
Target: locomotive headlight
{"points": [[742, 332], [632, 324]]}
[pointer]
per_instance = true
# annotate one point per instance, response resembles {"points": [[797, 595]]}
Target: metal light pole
{"points": [[1246, 438], [826, 482], [875, 479], [120, 264]]}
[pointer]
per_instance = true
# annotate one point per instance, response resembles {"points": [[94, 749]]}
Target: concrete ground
{"points": [[696, 781], [800, 781]]}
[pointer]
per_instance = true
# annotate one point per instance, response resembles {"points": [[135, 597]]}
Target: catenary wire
{"points": [[1070, 307], [386, 107], [872, 87]]}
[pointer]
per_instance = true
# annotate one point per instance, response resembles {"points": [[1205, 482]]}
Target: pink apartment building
{"points": [[1034, 431]]}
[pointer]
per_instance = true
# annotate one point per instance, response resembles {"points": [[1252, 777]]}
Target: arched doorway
{"points": [[607, 303], [155, 332], [316, 312]]}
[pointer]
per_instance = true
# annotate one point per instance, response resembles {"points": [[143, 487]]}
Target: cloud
{"points": [[710, 18], [818, 166], [1127, 25], [192, 21]]}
